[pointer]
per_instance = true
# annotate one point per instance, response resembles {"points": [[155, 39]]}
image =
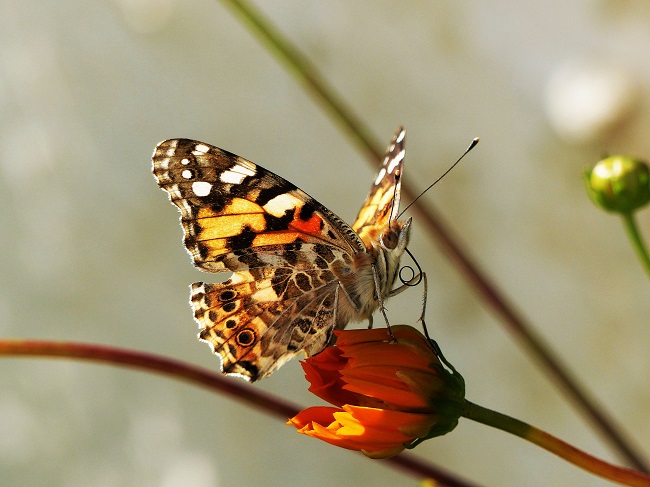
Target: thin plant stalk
{"points": [[637, 240], [571, 454], [234, 388]]}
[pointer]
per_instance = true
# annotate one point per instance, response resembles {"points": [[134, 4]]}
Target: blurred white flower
{"points": [[586, 100]]}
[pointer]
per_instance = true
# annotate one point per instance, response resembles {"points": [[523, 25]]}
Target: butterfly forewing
{"points": [[382, 203], [228, 203]]}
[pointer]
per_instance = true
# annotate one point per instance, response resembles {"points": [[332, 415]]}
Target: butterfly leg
{"points": [[422, 276], [370, 323], [424, 306], [380, 300]]}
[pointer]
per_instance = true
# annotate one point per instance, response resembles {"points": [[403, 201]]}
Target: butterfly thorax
{"points": [[358, 284]]}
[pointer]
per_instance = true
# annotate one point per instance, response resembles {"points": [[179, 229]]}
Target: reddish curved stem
{"points": [[234, 388]]}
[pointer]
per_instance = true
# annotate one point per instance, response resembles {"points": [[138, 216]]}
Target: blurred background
{"points": [[91, 248]]}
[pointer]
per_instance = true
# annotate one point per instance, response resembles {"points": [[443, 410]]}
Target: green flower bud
{"points": [[619, 184]]}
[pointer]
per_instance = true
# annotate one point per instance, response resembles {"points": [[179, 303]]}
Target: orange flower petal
{"points": [[387, 374], [364, 335], [401, 332], [392, 397], [329, 359], [397, 354], [317, 414], [357, 437], [351, 435], [411, 425], [378, 433], [322, 372], [422, 384]]}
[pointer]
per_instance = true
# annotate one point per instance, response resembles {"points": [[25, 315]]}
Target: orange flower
{"points": [[389, 395]]}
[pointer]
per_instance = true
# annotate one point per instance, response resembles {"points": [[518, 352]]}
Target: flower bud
{"points": [[619, 184], [389, 395]]}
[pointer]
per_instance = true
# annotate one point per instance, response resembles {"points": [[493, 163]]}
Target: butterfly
{"points": [[299, 271]]}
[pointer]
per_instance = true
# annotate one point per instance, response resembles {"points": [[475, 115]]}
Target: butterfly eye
{"points": [[389, 239]]}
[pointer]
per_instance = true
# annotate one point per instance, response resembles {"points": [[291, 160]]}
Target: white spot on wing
{"points": [[380, 176], [201, 148], [246, 170], [185, 162], [171, 150], [187, 174], [201, 188], [237, 173], [197, 289], [281, 203], [395, 162], [231, 177], [400, 137]]}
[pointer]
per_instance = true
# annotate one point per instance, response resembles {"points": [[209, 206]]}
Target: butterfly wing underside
{"points": [[382, 203], [282, 246]]}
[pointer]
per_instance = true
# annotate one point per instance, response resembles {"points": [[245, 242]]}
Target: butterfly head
{"points": [[395, 238], [392, 244]]}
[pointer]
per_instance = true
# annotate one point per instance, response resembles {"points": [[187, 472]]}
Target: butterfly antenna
{"points": [[471, 146]]}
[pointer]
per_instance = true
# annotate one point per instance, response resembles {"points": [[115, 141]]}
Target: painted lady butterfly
{"points": [[299, 271]]}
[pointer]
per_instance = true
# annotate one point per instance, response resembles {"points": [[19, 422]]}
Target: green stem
{"points": [[637, 240], [434, 224], [571, 454]]}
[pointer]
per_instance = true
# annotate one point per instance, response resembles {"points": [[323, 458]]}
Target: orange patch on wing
{"points": [[275, 238], [231, 221], [214, 247], [240, 206], [312, 226], [297, 228]]}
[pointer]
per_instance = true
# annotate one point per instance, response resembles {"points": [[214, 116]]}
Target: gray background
{"points": [[90, 247]]}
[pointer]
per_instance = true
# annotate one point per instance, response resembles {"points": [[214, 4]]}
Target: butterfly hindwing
{"points": [[256, 325], [280, 301]]}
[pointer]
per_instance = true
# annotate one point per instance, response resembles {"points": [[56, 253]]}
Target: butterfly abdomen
{"points": [[357, 299]]}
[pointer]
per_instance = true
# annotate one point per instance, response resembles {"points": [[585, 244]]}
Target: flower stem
{"points": [[149, 362], [637, 240], [306, 73], [560, 448], [234, 388], [495, 299]]}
